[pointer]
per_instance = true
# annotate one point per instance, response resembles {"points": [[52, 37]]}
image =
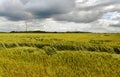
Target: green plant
{"points": [[49, 50]]}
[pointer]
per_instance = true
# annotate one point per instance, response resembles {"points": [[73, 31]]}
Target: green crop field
{"points": [[59, 55]]}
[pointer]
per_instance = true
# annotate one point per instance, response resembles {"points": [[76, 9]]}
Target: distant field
{"points": [[59, 55]]}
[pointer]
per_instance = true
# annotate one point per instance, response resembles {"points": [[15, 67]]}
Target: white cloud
{"points": [[60, 15]]}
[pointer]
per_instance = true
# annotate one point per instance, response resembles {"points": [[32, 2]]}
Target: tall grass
{"points": [[19, 62], [59, 55], [89, 42]]}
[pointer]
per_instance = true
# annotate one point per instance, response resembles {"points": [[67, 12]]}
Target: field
{"points": [[59, 55]]}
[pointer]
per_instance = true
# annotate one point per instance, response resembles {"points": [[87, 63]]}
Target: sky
{"points": [[60, 15]]}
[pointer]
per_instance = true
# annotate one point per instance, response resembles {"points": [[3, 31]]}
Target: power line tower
{"points": [[26, 26]]}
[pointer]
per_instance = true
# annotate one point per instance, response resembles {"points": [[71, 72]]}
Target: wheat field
{"points": [[59, 55]]}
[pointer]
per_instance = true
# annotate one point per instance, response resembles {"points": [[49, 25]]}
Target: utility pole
{"points": [[26, 26]]}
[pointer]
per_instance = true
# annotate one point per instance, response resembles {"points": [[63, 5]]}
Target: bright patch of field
{"points": [[60, 55]]}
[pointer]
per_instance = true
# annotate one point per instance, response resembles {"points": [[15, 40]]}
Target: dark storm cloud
{"points": [[47, 8], [39, 9]]}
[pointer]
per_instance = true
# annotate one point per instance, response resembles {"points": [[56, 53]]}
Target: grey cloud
{"points": [[97, 9], [79, 17], [86, 11], [90, 12], [115, 25], [13, 10], [38, 9], [24, 1], [97, 4], [47, 8]]}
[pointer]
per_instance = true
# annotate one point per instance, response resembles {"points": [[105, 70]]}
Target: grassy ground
{"points": [[59, 55]]}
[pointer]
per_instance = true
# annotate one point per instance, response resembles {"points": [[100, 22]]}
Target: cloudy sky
{"points": [[60, 15]]}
